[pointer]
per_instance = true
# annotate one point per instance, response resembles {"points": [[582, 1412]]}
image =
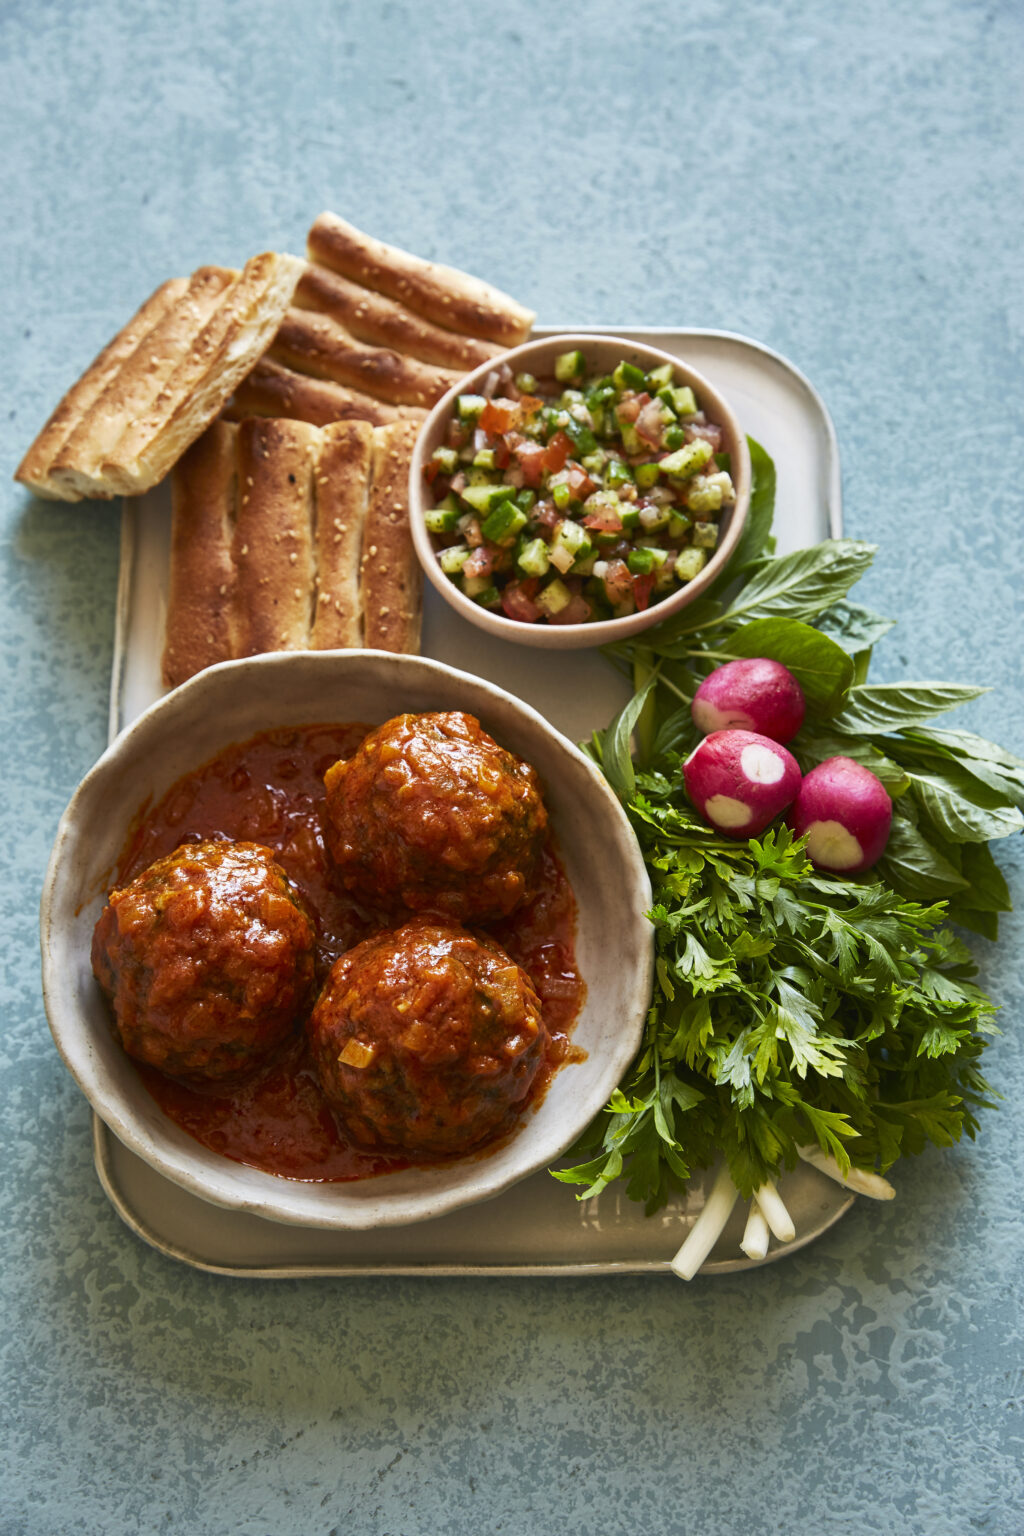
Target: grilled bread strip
{"points": [[35, 468], [201, 627], [390, 574], [380, 322], [165, 390], [342, 486], [274, 390], [273, 543], [133, 389], [320, 346], [449, 298], [235, 338]]}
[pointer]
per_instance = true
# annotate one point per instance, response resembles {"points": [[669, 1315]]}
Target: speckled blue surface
{"points": [[843, 183]]}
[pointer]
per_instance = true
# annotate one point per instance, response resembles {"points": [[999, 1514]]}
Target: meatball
{"points": [[427, 1038], [431, 815], [207, 958]]}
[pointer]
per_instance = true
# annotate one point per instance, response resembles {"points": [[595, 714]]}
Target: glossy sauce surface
{"points": [[270, 790]]}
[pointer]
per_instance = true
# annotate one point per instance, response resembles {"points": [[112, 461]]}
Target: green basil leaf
{"points": [[881, 707], [801, 585], [987, 890], [821, 667], [990, 763], [617, 762], [915, 868], [853, 627], [950, 797]]}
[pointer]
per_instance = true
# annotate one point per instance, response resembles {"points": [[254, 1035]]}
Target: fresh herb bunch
{"points": [[793, 1007]]}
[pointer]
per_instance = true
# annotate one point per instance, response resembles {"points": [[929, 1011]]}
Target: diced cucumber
{"points": [[570, 543], [630, 517], [561, 495], [526, 383], [631, 439], [674, 436], [490, 597], [627, 376], [484, 498], [502, 525], [703, 494], [684, 401], [646, 476], [441, 519], [690, 562], [678, 524], [704, 535], [554, 597], [619, 473], [534, 558], [474, 585], [446, 460], [484, 459], [687, 460], [594, 463], [569, 366], [452, 560], [652, 518], [642, 562], [526, 500], [469, 407], [660, 378]]}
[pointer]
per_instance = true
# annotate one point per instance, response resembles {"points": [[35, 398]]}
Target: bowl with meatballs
{"points": [[345, 939]]}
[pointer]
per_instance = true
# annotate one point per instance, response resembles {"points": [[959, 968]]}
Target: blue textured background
{"points": [[843, 183]]}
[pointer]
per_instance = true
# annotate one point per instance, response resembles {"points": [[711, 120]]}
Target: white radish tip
{"points": [[724, 811], [761, 765], [832, 846]]}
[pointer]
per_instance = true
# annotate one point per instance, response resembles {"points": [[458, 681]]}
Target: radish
{"points": [[754, 695], [845, 813], [740, 781]]}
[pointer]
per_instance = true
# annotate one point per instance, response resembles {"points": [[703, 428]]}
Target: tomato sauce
{"points": [[270, 790]]}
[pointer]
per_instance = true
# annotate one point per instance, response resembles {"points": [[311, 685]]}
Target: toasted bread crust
{"points": [[201, 627], [272, 389], [443, 295], [320, 346], [342, 490], [390, 574], [35, 468], [379, 321], [273, 539]]}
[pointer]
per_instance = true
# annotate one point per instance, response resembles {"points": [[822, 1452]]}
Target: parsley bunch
{"points": [[791, 1006]]}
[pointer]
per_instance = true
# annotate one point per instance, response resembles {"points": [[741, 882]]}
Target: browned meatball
{"points": [[427, 1038], [207, 958], [431, 815]]}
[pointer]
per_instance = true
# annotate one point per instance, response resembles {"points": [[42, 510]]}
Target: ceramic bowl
{"points": [[234, 701], [602, 353]]}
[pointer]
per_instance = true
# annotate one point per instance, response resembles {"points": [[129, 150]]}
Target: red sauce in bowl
{"points": [[269, 790]]}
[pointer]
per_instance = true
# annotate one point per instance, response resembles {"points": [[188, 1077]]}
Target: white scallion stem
{"points": [[755, 1233], [774, 1212], [858, 1179], [707, 1229]]}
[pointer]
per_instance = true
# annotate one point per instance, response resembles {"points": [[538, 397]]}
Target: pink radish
{"points": [[845, 813], [754, 695], [740, 781]]}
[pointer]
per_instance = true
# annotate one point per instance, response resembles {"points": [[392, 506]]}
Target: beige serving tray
{"points": [[539, 1227]]}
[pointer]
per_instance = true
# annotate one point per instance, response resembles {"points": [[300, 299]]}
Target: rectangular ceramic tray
{"points": [[538, 1227]]}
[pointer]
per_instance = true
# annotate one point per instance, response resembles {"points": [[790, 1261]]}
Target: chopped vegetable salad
{"points": [[574, 498]]}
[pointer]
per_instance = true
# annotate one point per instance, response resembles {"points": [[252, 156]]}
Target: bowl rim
{"points": [[600, 631], [69, 1025]]}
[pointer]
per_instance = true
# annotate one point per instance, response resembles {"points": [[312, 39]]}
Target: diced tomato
{"points": [[643, 586], [618, 583], [480, 562], [528, 404], [576, 611], [707, 431], [531, 461], [547, 514], [557, 453], [502, 453], [517, 600], [499, 416], [603, 518], [630, 406], [649, 424], [580, 484]]}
